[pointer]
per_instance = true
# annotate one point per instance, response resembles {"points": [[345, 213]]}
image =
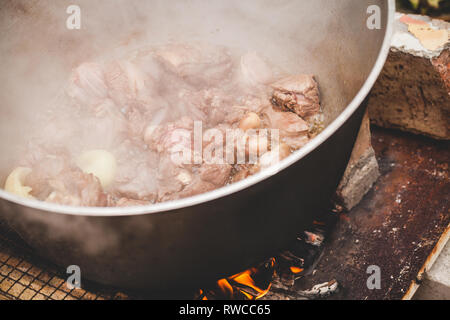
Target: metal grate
{"points": [[24, 276]]}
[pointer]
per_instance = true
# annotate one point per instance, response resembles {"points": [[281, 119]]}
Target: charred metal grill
{"points": [[24, 276]]}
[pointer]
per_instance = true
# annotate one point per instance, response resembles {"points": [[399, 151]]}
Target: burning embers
{"points": [[276, 278], [252, 284]]}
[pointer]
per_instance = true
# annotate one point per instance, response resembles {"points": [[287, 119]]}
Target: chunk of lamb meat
{"points": [[45, 166], [129, 123], [209, 105], [192, 104], [87, 84], [119, 85], [254, 70], [216, 107], [199, 65], [235, 113], [126, 84], [217, 174], [106, 124], [293, 129], [178, 180], [54, 178], [170, 137], [268, 159], [172, 178], [209, 177], [75, 188], [168, 140], [137, 121], [137, 183], [299, 94], [137, 171], [197, 186], [256, 104], [243, 171]]}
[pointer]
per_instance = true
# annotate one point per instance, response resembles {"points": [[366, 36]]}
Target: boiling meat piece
{"points": [[144, 59], [254, 70], [137, 170], [293, 130], [217, 174], [241, 172], [249, 104], [117, 93], [169, 140], [217, 105], [256, 104], [197, 186], [246, 146], [105, 125], [209, 105], [269, 158], [299, 94], [87, 84], [175, 181], [192, 104], [172, 178], [46, 163], [108, 109], [56, 179], [210, 177], [130, 122], [197, 64], [171, 136], [137, 121], [137, 183], [75, 188], [126, 83]]}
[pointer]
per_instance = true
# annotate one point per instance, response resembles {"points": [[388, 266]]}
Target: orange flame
{"points": [[296, 270], [203, 297], [229, 288], [226, 287], [245, 278], [272, 262], [248, 295], [264, 292]]}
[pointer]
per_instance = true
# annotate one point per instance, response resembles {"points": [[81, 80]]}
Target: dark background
{"points": [[438, 9]]}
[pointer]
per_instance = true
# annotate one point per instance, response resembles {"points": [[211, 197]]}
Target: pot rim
{"points": [[238, 186]]}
